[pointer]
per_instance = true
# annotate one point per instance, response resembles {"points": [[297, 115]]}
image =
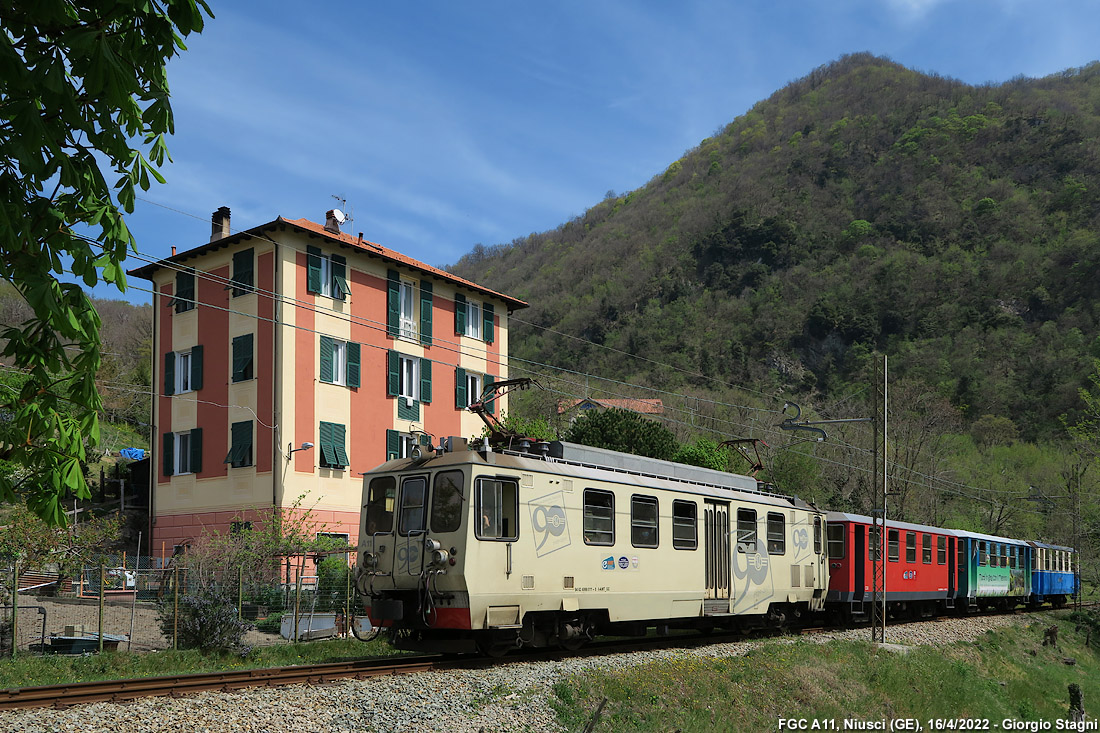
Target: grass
{"points": [[1005, 674], [29, 670]]}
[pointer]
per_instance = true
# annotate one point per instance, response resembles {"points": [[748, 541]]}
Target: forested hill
{"points": [[865, 207]]}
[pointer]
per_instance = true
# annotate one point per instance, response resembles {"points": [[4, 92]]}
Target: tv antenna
{"points": [[342, 214]]}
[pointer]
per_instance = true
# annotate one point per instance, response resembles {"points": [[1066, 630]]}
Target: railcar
{"points": [[1053, 578], [994, 572], [919, 575], [491, 548]]}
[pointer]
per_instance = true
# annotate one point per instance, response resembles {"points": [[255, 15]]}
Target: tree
{"points": [[83, 95], [624, 431]]}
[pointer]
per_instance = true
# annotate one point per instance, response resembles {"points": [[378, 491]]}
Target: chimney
{"points": [[331, 224], [173, 250], [219, 224]]}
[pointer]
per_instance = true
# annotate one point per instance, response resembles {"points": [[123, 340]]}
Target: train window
{"points": [[835, 535], [599, 517], [1012, 553], [380, 498], [817, 535], [684, 529], [777, 534], [497, 508], [981, 554], [414, 498], [447, 501], [893, 549], [643, 521], [910, 547], [874, 544], [941, 550], [926, 549], [746, 530]]}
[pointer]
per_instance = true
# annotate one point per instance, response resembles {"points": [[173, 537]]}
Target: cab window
{"points": [[835, 534], [447, 501], [380, 500], [414, 497], [497, 508]]}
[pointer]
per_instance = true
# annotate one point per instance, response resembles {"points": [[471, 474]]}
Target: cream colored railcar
{"points": [[556, 543]]}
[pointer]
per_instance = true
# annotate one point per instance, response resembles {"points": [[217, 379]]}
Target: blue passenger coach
{"points": [[1053, 578]]}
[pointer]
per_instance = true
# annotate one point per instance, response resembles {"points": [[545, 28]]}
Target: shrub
{"points": [[207, 621]]}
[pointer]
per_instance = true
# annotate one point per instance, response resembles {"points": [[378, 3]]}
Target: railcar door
{"points": [[951, 568], [412, 515], [716, 543], [859, 562]]}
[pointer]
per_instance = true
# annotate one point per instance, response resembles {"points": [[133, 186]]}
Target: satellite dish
{"points": [[339, 216]]}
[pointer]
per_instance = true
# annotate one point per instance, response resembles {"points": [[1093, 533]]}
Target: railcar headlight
{"points": [[431, 545], [370, 560], [439, 557]]}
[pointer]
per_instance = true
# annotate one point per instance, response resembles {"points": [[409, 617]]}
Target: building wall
{"points": [[286, 399]]}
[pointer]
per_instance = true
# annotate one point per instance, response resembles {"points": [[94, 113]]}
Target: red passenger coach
{"points": [[920, 567]]}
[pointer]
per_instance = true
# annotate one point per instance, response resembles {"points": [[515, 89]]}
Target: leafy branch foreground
{"points": [[1005, 674]]}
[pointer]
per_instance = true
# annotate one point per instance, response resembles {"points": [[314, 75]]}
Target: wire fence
{"points": [[149, 603]]}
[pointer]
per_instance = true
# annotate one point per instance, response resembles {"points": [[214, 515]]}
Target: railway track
{"points": [[79, 693]]}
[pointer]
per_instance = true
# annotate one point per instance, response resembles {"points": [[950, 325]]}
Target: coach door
{"points": [[951, 569], [716, 541], [412, 515], [859, 561]]}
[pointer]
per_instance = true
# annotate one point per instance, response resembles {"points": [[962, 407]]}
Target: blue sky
{"points": [[446, 124]]}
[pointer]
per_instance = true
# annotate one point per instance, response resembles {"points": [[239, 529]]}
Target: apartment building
{"points": [[291, 358]]}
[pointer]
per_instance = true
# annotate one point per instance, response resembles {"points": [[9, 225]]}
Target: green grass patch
{"points": [[28, 670], [1005, 674]]}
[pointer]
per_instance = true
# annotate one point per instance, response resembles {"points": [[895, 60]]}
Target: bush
{"points": [[207, 621]]}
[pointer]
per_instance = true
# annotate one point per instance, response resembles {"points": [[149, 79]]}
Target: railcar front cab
{"points": [[1054, 577], [424, 521]]}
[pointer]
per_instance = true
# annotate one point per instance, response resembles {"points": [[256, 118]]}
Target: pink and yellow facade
{"points": [[295, 334]]}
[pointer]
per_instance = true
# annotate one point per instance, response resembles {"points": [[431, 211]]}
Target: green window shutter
{"points": [[338, 446], [196, 450], [240, 450], [340, 288], [196, 367], [170, 374], [393, 303], [326, 359], [169, 454], [425, 312], [426, 381], [460, 314], [393, 444], [393, 376], [353, 364], [487, 330], [242, 272], [242, 358], [461, 399], [185, 291], [491, 405], [313, 270]]}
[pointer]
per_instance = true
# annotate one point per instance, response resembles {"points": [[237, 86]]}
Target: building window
{"points": [[243, 277], [242, 358], [339, 362], [893, 549], [746, 531], [474, 319], [182, 452], [643, 521], [326, 275], [185, 291], [239, 527], [335, 541], [407, 301], [599, 517], [410, 381], [400, 445], [468, 387], [497, 509], [835, 539], [684, 527], [183, 371], [331, 439], [240, 450]]}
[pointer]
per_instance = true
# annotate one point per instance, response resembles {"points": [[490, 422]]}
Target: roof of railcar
{"points": [[890, 523], [1048, 546]]}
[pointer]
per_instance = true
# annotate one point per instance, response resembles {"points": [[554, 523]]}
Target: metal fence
{"points": [[138, 603]]}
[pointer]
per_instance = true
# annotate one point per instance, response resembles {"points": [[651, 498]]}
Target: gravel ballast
{"points": [[513, 697]]}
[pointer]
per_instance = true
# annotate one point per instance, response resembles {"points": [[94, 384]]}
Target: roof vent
{"points": [[219, 224]]}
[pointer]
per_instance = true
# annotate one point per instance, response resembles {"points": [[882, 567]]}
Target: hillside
{"points": [[864, 208]]}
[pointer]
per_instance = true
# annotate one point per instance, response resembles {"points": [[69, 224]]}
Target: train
{"points": [[507, 542]]}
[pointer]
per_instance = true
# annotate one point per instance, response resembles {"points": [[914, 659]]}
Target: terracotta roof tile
{"points": [[645, 407]]}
